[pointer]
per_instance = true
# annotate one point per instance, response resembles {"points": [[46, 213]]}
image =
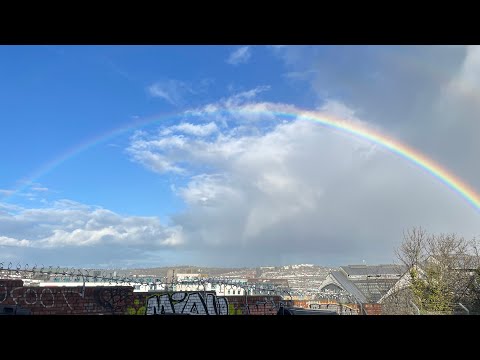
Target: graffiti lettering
{"points": [[186, 303], [29, 299], [5, 294], [123, 300], [136, 309], [113, 299], [12, 294], [157, 305], [66, 301], [46, 302], [222, 306]]}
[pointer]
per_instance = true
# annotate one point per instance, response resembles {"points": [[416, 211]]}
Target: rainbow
{"points": [[357, 129]]}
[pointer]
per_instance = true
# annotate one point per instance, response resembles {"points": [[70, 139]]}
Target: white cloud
{"points": [[338, 109], [425, 95], [29, 192], [244, 99], [258, 188], [6, 192], [206, 190], [240, 56], [153, 161], [70, 225], [282, 190], [172, 91], [6, 241], [156, 90], [192, 129], [177, 92], [296, 187], [468, 78], [39, 188], [243, 96]]}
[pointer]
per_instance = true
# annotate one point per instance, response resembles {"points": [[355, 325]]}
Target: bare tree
{"points": [[412, 250], [442, 271]]}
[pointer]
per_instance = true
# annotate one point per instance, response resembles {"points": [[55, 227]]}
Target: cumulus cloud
{"points": [[192, 129], [70, 225], [139, 151], [261, 188], [244, 99], [270, 190], [426, 96], [240, 56], [7, 241], [294, 188]]}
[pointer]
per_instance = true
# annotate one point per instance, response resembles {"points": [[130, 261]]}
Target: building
{"points": [[362, 284]]}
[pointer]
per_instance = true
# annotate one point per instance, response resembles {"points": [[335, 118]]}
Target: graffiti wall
{"points": [[255, 305], [121, 300], [199, 303], [194, 303], [65, 300]]}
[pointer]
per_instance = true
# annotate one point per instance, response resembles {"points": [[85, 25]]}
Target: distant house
{"points": [[362, 284]]}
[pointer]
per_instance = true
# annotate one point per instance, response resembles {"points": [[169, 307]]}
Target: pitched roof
{"points": [[348, 286], [373, 270], [367, 284], [374, 289]]}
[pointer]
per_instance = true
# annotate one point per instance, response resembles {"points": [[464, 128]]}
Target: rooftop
{"points": [[373, 270], [366, 283]]}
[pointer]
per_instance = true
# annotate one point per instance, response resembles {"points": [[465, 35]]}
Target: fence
{"points": [[117, 296]]}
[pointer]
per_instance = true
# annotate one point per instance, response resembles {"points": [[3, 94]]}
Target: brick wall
{"points": [[373, 309], [65, 300], [257, 305], [348, 309], [115, 300]]}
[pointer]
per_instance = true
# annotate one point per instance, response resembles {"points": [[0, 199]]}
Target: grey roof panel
{"points": [[374, 289], [349, 286], [358, 270]]}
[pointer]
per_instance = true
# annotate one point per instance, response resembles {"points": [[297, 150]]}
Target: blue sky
{"points": [[212, 189], [53, 98]]}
